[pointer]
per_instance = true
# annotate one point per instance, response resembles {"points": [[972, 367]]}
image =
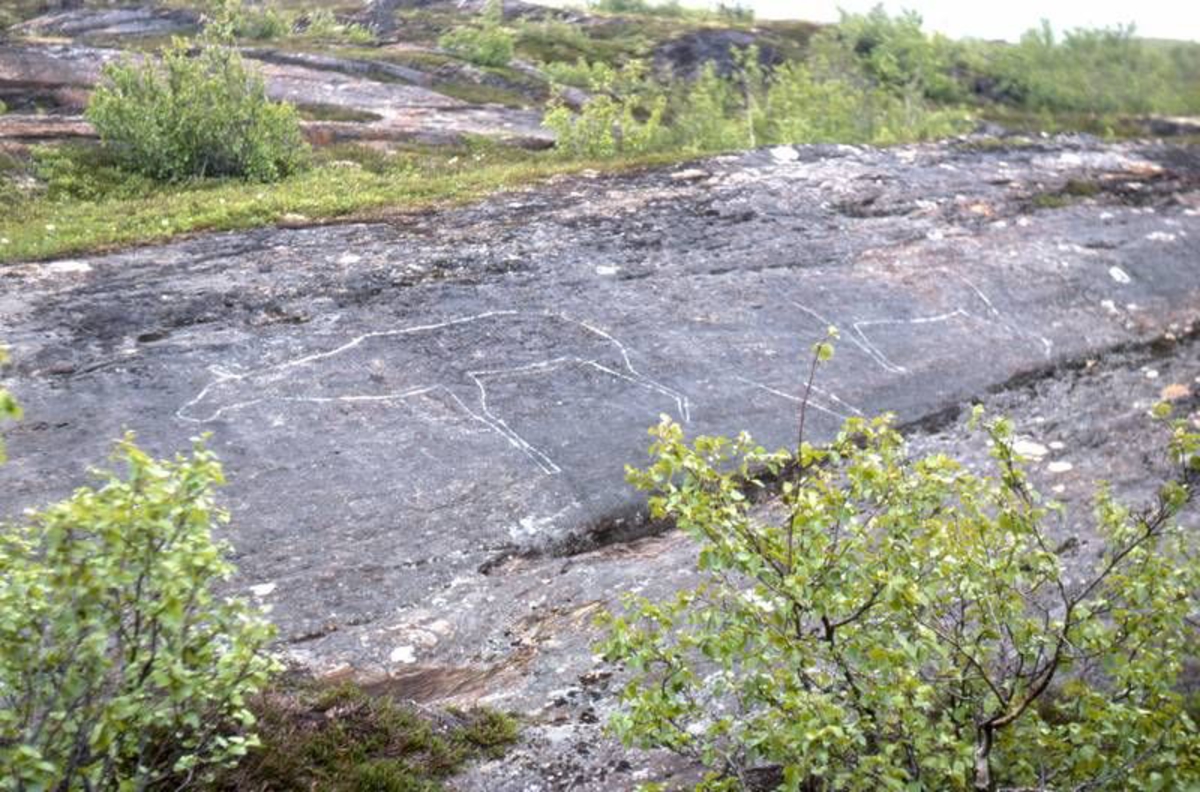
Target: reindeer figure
{"points": [[456, 357]]}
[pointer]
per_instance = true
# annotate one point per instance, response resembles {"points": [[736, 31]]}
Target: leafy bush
{"points": [[485, 46], [322, 25], [264, 23], [792, 104], [230, 19], [623, 116], [895, 53], [9, 409], [486, 43], [799, 107], [899, 623], [120, 666], [201, 115], [735, 12], [666, 8], [1098, 71]]}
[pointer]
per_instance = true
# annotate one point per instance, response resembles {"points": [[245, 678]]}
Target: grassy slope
{"points": [[64, 222], [51, 225], [338, 189]]}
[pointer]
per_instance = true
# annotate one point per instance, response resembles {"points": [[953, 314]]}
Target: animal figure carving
{"points": [[456, 357]]}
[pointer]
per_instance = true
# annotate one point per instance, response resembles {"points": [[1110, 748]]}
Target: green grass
{"points": [[340, 739], [1029, 122], [478, 93], [348, 182], [329, 112]]}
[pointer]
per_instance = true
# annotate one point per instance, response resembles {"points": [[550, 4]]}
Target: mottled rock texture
{"points": [[401, 405]]}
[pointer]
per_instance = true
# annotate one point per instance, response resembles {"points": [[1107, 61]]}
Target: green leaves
{"points": [[888, 621], [487, 43], [624, 114], [195, 115], [9, 409], [119, 663], [823, 350]]}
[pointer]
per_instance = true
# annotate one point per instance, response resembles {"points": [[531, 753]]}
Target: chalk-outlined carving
{"points": [[858, 331], [455, 357], [819, 399]]}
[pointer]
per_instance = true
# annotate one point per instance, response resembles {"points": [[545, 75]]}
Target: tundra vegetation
{"points": [[124, 664], [871, 78], [191, 115], [879, 622], [889, 622]]}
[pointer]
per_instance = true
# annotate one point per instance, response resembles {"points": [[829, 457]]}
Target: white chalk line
{"points": [[484, 415], [815, 404], [858, 336]]}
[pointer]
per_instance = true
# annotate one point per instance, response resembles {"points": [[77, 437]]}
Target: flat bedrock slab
{"points": [[111, 23], [398, 404]]}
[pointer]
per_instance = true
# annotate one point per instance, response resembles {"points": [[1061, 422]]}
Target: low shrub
{"points": [[553, 41], [580, 74], [665, 8], [484, 46], [121, 666], [894, 52], [264, 23], [195, 115], [623, 116], [1094, 71], [485, 42], [237, 19], [9, 409], [321, 24], [901, 623], [792, 104]]}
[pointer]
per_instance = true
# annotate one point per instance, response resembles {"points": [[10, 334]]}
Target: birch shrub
{"points": [[121, 667], [195, 115], [487, 43], [901, 623], [623, 116]]}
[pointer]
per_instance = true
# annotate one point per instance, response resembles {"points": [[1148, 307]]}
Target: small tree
{"points": [[623, 115], [120, 666], [487, 43], [195, 115], [899, 623]]}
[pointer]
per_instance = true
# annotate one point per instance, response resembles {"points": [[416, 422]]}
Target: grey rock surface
{"points": [[687, 55], [407, 409], [87, 24]]}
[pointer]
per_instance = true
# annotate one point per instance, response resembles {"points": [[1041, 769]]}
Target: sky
{"points": [[1007, 19]]}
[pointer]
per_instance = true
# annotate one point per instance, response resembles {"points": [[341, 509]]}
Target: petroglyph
{"points": [[455, 358], [819, 399], [863, 333]]}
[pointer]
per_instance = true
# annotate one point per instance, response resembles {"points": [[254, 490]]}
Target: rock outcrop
{"points": [[425, 421], [398, 101]]}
